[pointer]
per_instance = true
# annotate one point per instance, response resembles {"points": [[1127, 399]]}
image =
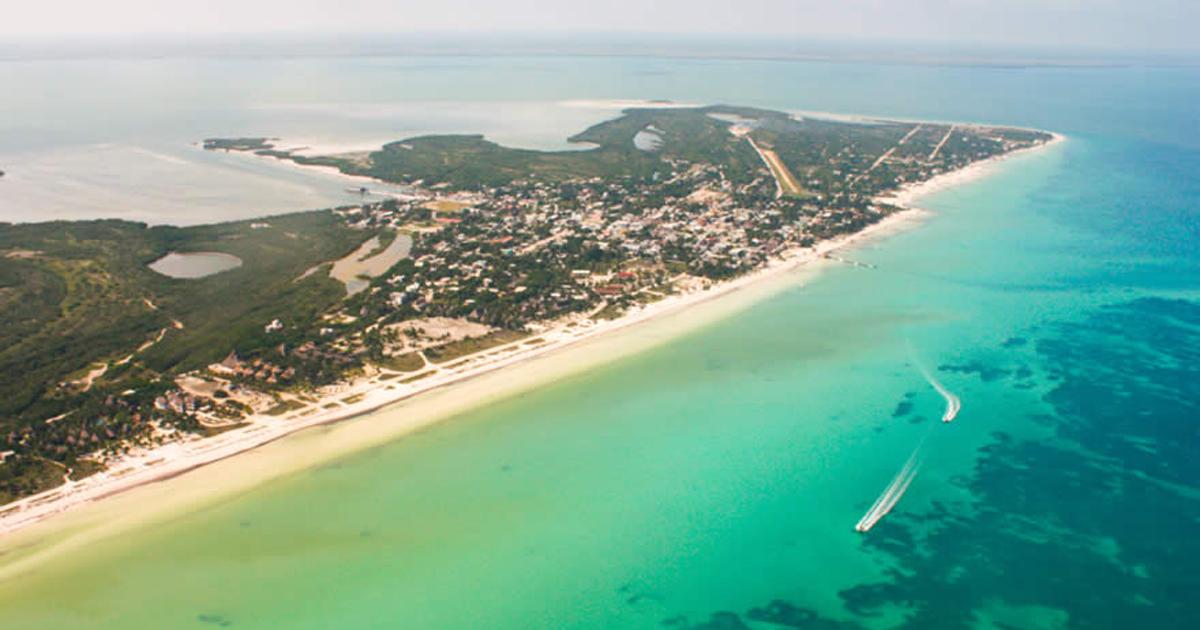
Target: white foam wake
{"points": [[892, 494], [953, 404]]}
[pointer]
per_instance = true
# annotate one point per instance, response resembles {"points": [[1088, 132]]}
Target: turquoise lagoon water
{"points": [[714, 482]]}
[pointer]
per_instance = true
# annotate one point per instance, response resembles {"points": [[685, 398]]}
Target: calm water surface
{"points": [[715, 482], [195, 264]]}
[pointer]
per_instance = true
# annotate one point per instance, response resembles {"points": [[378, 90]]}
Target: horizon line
{"points": [[574, 35]]}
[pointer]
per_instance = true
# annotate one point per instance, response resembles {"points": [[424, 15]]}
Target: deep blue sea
{"points": [[714, 482]]}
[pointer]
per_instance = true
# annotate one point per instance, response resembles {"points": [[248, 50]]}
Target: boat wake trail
{"points": [[953, 404], [892, 494], [903, 479]]}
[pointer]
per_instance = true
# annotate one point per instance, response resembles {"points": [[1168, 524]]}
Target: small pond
{"points": [[195, 264]]}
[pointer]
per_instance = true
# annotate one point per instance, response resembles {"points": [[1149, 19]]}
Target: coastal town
{"points": [[475, 267], [532, 315]]}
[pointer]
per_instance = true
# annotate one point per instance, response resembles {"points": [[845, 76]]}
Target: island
{"points": [[119, 341]]}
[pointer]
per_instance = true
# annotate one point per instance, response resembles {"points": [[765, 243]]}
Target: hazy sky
{"points": [[1161, 24]]}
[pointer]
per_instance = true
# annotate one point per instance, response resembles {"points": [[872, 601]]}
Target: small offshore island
{"points": [[112, 374]]}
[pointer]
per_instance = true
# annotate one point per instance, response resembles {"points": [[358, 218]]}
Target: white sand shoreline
{"points": [[908, 194], [395, 408], [175, 458]]}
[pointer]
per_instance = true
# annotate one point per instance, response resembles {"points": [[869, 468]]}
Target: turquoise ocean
{"points": [[714, 481]]}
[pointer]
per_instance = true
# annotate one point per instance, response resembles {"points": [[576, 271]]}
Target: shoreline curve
{"points": [[41, 531]]}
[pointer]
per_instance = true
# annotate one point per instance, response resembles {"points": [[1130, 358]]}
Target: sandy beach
{"points": [[373, 410], [909, 194]]}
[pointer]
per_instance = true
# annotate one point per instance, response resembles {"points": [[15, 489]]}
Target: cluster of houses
{"points": [[526, 252], [533, 250], [181, 402], [253, 370]]}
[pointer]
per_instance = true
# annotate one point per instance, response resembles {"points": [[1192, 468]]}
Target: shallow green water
{"points": [[694, 485]]}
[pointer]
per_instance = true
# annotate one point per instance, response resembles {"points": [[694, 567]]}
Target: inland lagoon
{"points": [[369, 261], [192, 265]]}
